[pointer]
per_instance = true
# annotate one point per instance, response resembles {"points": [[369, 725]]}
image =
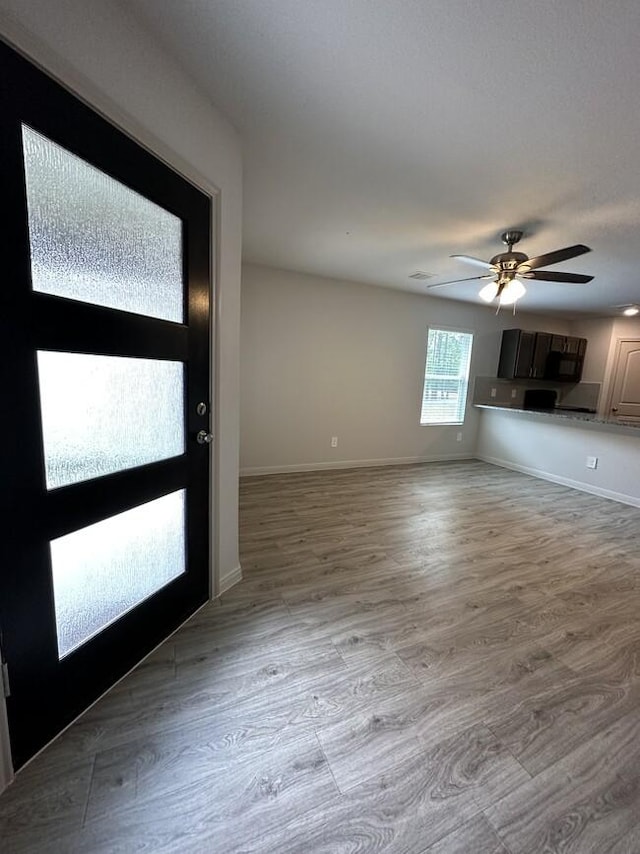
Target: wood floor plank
{"points": [[400, 811], [261, 788], [413, 803], [581, 804], [627, 844], [544, 726], [579, 641], [360, 683], [48, 802], [475, 836]]}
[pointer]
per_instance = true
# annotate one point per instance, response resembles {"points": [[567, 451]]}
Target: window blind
{"points": [[446, 376]]}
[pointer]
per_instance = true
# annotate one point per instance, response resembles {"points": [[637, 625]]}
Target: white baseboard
{"points": [[254, 471], [229, 580], [580, 485]]}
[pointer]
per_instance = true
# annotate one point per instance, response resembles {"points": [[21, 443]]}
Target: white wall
{"points": [[324, 358], [101, 52], [557, 450]]}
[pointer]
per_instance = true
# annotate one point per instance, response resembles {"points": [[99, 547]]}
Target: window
{"points": [[446, 376]]}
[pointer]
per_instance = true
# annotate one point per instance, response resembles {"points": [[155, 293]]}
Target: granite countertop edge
{"points": [[584, 417]]}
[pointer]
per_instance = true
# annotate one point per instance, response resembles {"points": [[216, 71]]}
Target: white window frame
{"points": [[462, 380]]}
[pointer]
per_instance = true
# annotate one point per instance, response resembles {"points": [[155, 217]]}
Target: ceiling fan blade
{"points": [[455, 281], [556, 257], [551, 276], [469, 259]]}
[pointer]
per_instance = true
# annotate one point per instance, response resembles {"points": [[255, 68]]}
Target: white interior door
{"points": [[625, 396]]}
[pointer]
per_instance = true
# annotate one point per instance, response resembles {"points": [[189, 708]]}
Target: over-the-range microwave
{"points": [[563, 367]]}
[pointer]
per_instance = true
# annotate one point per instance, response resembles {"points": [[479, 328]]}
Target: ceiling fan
{"points": [[507, 269]]}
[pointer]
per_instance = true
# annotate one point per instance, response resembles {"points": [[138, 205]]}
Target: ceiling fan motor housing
{"points": [[508, 260]]}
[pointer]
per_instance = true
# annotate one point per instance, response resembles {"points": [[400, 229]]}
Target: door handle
{"points": [[203, 437], [614, 408]]}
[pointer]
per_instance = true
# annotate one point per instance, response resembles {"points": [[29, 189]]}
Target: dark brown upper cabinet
{"points": [[541, 356]]}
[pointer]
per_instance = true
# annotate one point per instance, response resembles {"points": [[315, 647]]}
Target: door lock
{"points": [[203, 437], [202, 408]]}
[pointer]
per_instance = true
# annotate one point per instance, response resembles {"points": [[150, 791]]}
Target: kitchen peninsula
{"points": [[583, 418], [581, 450]]}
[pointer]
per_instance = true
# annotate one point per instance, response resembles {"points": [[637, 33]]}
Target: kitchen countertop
{"points": [[579, 418]]}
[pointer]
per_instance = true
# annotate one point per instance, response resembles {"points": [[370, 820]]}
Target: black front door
{"points": [[104, 338]]}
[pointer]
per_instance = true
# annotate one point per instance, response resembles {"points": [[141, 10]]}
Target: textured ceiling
{"points": [[382, 136]]}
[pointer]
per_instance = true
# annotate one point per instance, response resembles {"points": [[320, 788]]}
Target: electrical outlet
{"points": [[458, 437], [514, 392], [592, 462], [493, 392], [334, 441]]}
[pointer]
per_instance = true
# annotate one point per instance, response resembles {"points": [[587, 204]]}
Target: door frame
{"points": [[69, 78], [6, 765]]}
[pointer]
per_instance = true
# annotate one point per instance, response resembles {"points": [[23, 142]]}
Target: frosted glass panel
{"points": [[95, 240], [102, 571], [102, 414]]}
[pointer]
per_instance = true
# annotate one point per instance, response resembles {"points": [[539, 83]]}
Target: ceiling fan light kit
{"points": [[507, 268], [511, 291]]}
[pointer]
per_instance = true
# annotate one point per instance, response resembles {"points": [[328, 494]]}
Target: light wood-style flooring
{"points": [[427, 659]]}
